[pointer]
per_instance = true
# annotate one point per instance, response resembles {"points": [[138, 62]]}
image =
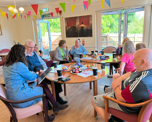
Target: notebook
{"points": [[42, 77]]}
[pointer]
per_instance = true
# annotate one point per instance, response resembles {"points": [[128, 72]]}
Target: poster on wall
{"points": [[0, 30], [79, 26]]}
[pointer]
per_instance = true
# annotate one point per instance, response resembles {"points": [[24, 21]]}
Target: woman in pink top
{"points": [[126, 62]]}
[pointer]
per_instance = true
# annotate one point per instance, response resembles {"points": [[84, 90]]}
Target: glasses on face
{"points": [[30, 47]]}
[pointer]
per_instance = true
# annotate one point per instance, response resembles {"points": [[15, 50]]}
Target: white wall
{"points": [[9, 33]]}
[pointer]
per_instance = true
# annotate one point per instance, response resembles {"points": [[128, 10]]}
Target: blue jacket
{"points": [[15, 77], [75, 52]]}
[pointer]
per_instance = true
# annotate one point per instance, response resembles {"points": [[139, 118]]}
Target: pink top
{"points": [[128, 60]]}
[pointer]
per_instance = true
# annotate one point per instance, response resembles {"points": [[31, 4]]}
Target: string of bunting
{"points": [[13, 15]]}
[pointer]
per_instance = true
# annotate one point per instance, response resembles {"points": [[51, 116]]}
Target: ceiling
{"points": [[23, 2]]}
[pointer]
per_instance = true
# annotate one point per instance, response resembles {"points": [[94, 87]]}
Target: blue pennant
{"points": [[84, 7], [108, 2], [21, 16], [42, 16]]}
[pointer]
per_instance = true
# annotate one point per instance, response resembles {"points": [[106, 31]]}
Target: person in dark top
{"points": [[35, 63], [132, 87]]}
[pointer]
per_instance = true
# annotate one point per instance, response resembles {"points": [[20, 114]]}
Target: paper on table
{"points": [[87, 73], [86, 58]]}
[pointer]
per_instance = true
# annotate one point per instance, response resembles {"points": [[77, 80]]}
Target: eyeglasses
{"points": [[30, 47]]}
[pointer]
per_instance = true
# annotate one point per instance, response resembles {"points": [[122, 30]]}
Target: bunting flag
{"points": [[21, 16], [3, 14], [72, 8], [102, 2], [25, 17], [122, 1], [28, 16], [51, 14], [29, 13], [74, 0], [7, 15], [60, 12], [0, 10], [89, 2], [41, 12], [35, 8], [108, 2], [35, 16], [57, 10], [18, 15], [42, 16], [63, 6], [86, 4], [13, 16], [10, 16], [12, 11], [84, 7]]}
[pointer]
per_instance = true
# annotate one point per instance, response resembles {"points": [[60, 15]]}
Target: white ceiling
{"points": [[23, 2]]}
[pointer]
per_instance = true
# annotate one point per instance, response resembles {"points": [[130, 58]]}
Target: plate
{"points": [[76, 73], [67, 69]]}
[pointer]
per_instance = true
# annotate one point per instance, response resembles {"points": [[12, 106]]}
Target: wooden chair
{"points": [[143, 116], [20, 113], [3, 58], [52, 54]]}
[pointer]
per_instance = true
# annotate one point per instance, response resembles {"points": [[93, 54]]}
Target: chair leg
{"points": [[45, 111], [90, 85], [110, 68], [64, 89]]}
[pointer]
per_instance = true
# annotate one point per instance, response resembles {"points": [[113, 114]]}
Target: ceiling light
{"points": [[21, 9], [15, 10], [11, 8]]}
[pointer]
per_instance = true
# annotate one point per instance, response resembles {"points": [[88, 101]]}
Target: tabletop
{"points": [[108, 60], [79, 79], [3, 54]]}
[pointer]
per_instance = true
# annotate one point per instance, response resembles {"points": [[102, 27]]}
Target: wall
{"points": [[9, 33], [25, 28]]}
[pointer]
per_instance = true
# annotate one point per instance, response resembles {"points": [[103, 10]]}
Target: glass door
{"points": [[44, 37]]}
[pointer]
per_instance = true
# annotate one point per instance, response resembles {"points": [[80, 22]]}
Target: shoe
{"points": [[49, 106], [61, 101], [57, 107], [110, 120], [51, 118], [117, 119], [105, 88]]}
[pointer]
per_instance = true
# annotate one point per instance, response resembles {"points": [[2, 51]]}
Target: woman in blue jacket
{"points": [[17, 75]]}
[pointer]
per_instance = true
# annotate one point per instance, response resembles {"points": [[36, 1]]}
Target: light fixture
{"points": [[15, 10], [21, 9]]}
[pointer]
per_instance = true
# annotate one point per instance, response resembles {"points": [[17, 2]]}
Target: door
{"points": [[44, 38]]}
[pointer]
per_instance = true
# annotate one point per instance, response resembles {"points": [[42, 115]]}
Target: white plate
{"points": [[76, 73]]}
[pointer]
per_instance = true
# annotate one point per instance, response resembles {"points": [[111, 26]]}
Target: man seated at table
{"points": [[77, 50], [132, 87], [35, 62]]}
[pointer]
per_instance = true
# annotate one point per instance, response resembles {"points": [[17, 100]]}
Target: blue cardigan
{"points": [[75, 52]]}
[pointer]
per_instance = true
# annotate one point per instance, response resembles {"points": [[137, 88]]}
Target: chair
{"points": [[52, 54], [71, 57], [2, 63], [4, 50], [143, 116], [109, 49], [20, 113]]}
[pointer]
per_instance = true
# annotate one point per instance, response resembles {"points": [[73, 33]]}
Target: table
{"points": [[108, 60], [3, 55], [78, 79]]}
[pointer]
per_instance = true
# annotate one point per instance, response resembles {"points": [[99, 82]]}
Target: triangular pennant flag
{"points": [[51, 14], [42, 16], [108, 2], [74, 0], [29, 13], [25, 17], [0, 10], [21, 16], [84, 7], [122, 1], [18, 15], [35, 16], [12, 10], [13, 16], [35, 8], [89, 2], [102, 2], [63, 6], [60, 12], [10, 16], [57, 10], [72, 8], [41, 12], [3, 14], [7, 15], [28, 16], [86, 4]]}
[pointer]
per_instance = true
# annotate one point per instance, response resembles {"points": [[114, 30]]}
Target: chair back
{"points": [[3, 91], [4, 50], [145, 112], [52, 54], [109, 49]]}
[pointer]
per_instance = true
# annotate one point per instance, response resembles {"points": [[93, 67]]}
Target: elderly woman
{"points": [[16, 75], [140, 46], [60, 53], [77, 50]]}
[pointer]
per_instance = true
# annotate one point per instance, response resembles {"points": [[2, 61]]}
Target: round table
{"points": [[79, 79], [108, 60]]}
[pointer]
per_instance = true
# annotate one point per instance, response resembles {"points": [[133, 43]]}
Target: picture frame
{"points": [[0, 30]]}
